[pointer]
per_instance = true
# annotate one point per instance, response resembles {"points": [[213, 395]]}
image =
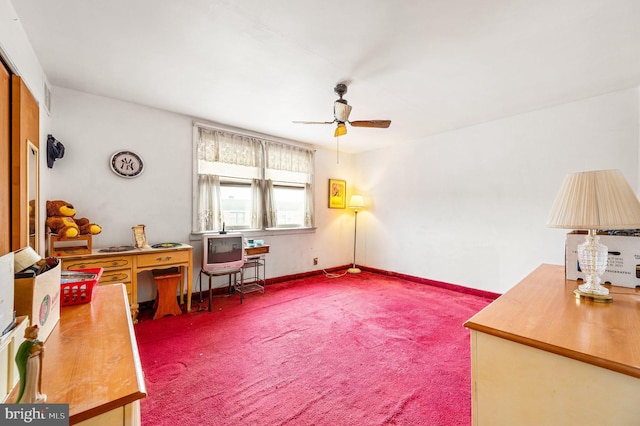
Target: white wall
{"points": [[16, 50], [469, 206], [92, 128]]}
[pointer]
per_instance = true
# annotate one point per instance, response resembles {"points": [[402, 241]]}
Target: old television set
{"points": [[222, 253]]}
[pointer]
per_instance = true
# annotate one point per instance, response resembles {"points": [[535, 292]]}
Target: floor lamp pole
{"points": [[353, 269]]}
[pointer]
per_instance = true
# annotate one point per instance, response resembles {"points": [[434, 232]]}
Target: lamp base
{"points": [[354, 270], [601, 298]]}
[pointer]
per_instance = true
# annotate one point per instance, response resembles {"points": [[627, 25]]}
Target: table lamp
{"points": [[355, 202], [592, 201]]}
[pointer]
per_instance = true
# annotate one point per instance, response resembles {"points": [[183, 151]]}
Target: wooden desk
{"points": [[123, 267], [91, 361], [541, 356]]}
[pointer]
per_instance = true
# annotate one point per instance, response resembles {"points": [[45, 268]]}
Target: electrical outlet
{"points": [[315, 260]]}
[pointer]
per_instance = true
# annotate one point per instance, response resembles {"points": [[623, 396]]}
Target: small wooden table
{"points": [[91, 361]]}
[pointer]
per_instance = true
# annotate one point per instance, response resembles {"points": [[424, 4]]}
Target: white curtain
{"points": [[271, 212], [256, 204], [288, 163], [215, 146], [308, 210], [209, 214]]}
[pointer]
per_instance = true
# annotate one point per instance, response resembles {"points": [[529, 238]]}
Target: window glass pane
{"points": [[235, 204], [289, 202]]}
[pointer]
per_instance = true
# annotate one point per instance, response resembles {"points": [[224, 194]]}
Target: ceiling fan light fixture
{"points": [[341, 110], [341, 130]]}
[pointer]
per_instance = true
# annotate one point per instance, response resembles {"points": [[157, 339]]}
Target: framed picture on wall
{"points": [[337, 194]]}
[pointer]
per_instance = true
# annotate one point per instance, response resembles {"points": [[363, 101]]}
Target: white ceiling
{"points": [[427, 65]]}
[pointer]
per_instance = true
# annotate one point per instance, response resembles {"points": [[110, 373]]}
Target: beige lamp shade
{"points": [[599, 199], [356, 202]]}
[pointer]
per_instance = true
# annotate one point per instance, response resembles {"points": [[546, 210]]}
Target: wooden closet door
{"points": [[25, 128], [5, 161]]}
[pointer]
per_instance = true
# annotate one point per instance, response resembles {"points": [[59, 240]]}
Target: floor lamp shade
{"points": [[356, 202], [591, 201]]}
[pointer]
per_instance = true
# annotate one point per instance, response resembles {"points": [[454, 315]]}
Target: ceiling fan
{"points": [[341, 111]]}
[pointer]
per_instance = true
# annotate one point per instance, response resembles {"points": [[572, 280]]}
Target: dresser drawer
{"points": [[116, 276], [107, 264], [162, 258]]}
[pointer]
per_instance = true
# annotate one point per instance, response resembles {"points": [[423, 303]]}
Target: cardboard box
{"points": [[623, 263], [39, 298]]}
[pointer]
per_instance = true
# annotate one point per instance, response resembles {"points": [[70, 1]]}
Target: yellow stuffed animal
{"points": [[60, 219]]}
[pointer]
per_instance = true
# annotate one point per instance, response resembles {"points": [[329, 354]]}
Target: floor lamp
{"points": [[356, 202]]}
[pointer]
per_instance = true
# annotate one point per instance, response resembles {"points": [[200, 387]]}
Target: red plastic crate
{"points": [[78, 292]]}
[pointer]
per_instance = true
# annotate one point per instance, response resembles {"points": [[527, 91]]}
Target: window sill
{"points": [[197, 236]]}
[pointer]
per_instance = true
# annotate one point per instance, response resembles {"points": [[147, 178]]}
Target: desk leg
{"points": [[189, 273], [134, 294], [182, 284]]}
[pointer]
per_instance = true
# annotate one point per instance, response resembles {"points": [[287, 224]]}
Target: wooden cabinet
{"points": [[539, 356]]}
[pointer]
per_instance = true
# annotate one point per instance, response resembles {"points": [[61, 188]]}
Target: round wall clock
{"points": [[126, 164]]}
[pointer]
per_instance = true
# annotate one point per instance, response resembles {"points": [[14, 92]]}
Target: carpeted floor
{"points": [[360, 350]]}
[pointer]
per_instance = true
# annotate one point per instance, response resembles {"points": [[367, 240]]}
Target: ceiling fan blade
{"points": [[381, 124], [341, 111], [314, 122]]}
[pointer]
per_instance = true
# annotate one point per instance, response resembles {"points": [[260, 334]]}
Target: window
{"points": [[289, 202], [235, 205], [248, 183]]}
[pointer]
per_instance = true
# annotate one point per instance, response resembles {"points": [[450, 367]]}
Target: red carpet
{"points": [[358, 350]]}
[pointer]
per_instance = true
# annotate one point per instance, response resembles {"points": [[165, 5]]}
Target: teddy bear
{"points": [[61, 221]]}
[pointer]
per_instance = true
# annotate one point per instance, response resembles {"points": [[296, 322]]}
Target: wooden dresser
{"points": [[540, 356], [91, 362], [123, 267]]}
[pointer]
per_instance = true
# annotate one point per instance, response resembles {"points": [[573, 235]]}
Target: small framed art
{"points": [[337, 194]]}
